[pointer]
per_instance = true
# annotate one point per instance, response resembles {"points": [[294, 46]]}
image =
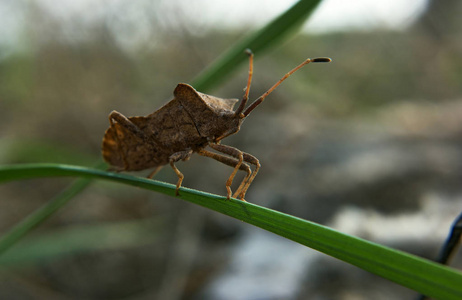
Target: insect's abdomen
{"points": [[166, 131], [125, 151], [110, 149]]}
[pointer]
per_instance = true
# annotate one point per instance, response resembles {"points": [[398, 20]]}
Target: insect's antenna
{"points": [[262, 97], [247, 89]]}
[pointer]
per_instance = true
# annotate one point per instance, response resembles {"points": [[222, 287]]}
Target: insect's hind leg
{"points": [[154, 172], [181, 155]]}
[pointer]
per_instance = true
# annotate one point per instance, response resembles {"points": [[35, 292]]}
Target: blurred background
{"points": [[370, 144]]}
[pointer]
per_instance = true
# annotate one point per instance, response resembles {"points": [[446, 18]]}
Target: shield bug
{"points": [[189, 123]]}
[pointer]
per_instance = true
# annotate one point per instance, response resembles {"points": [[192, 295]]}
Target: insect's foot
{"points": [[237, 194], [229, 193]]}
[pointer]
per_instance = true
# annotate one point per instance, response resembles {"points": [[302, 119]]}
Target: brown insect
{"points": [[187, 124]]}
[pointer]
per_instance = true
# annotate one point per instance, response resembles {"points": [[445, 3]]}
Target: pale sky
{"points": [[331, 15]]}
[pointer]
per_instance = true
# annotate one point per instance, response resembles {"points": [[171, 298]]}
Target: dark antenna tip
{"points": [[321, 59], [248, 51]]}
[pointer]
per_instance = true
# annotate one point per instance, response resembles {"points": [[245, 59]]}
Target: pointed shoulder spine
{"points": [[184, 90]]}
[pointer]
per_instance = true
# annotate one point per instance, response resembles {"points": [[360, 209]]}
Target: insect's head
{"points": [[241, 112]]}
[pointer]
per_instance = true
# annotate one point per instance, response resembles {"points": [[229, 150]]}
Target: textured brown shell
{"points": [[186, 121]]}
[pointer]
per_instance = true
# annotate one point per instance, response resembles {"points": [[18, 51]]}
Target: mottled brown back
{"points": [[211, 114], [168, 130], [126, 151], [187, 122]]}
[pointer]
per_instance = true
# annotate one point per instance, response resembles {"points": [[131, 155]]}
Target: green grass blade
{"points": [[269, 36], [419, 274], [81, 238], [43, 213], [40, 215]]}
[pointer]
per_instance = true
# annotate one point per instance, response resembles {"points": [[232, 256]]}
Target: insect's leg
{"points": [[232, 162], [181, 155], [243, 188], [232, 152], [154, 172], [247, 158]]}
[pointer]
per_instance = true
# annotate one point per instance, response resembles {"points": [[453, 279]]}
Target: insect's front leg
{"points": [[242, 156], [181, 155], [246, 183], [232, 162]]}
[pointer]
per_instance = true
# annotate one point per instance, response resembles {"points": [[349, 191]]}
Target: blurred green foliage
{"points": [[56, 93]]}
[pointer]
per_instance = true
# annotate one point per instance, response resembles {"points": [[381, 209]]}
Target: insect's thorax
{"points": [[173, 128], [213, 117]]}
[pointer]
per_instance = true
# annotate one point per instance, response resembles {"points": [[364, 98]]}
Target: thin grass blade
{"points": [[419, 274]]}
